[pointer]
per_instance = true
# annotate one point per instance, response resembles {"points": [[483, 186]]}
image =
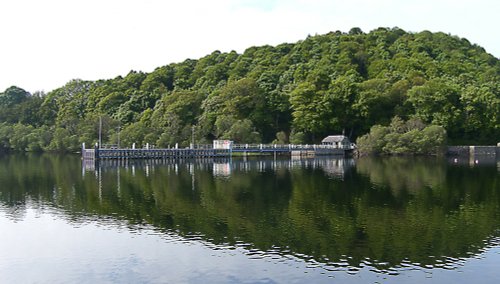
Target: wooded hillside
{"points": [[298, 92]]}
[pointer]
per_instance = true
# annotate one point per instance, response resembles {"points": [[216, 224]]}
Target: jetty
{"points": [[474, 155], [219, 148]]}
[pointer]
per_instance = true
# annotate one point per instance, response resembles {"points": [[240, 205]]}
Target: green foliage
{"points": [[174, 116], [306, 106], [135, 133], [281, 138], [400, 137], [322, 85], [437, 102], [63, 141], [297, 137], [242, 131], [373, 142], [20, 137], [13, 96]]}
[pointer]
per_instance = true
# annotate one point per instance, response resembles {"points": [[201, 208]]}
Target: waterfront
{"points": [[254, 221]]}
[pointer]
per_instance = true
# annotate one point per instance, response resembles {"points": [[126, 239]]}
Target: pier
{"points": [[220, 148], [474, 155]]}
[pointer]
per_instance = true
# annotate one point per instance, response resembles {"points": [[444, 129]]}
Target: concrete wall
{"points": [[485, 150], [473, 151], [458, 151]]}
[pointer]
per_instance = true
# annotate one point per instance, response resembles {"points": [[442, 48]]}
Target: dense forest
{"points": [[293, 92]]}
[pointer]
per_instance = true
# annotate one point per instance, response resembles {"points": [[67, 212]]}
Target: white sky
{"points": [[46, 43]]}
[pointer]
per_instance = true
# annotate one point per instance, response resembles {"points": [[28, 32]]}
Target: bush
{"points": [[411, 137]]}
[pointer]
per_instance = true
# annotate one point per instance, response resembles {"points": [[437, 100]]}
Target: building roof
{"points": [[334, 139]]}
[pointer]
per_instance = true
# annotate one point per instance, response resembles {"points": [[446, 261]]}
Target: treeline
{"points": [[297, 93]]}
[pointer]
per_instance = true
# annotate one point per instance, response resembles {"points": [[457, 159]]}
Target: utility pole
{"points": [[100, 130], [192, 136], [118, 137]]}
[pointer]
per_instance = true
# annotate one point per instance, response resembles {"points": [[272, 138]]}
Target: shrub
{"points": [[411, 137]]}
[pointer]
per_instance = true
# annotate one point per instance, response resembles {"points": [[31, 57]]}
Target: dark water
{"points": [[391, 220]]}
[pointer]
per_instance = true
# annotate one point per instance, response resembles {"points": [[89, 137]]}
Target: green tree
{"points": [[400, 137], [438, 102], [306, 105], [242, 131], [322, 85], [13, 96]]}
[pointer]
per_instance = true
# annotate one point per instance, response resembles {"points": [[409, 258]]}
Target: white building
{"points": [[338, 141]]}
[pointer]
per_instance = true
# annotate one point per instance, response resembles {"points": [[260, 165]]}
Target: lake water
{"points": [[368, 220]]}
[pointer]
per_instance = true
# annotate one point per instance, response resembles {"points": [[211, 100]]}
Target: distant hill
{"points": [[299, 92]]}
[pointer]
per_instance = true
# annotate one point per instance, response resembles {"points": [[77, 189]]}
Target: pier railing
{"points": [[151, 152], [290, 147]]}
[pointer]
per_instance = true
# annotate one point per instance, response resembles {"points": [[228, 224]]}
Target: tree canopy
{"points": [[302, 91]]}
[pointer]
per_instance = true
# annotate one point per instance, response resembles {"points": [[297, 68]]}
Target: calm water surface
{"points": [[391, 220]]}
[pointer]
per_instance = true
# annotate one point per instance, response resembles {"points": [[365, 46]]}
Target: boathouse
{"points": [[338, 141]]}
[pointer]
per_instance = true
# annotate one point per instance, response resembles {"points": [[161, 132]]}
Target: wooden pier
{"points": [[213, 151]]}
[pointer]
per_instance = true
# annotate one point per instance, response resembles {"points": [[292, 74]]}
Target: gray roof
{"points": [[334, 139]]}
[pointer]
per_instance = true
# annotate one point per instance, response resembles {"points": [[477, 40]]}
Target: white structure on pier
{"points": [[338, 141]]}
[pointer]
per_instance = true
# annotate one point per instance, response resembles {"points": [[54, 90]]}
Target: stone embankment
{"points": [[473, 151]]}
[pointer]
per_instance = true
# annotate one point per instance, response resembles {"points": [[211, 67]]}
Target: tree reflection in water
{"points": [[384, 212]]}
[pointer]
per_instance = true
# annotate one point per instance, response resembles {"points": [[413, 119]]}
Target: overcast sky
{"points": [[46, 43]]}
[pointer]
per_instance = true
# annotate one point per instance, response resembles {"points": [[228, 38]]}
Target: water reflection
{"points": [[224, 167], [390, 214], [475, 161]]}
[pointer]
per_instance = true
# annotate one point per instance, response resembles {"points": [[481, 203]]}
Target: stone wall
{"points": [[458, 151], [484, 150], [473, 151]]}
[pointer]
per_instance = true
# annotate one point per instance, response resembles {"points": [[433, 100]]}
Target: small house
{"points": [[338, 141]]}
